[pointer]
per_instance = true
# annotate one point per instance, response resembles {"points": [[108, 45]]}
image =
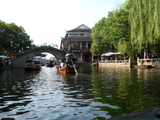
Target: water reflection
{"points": [[14, 90], [123, 90], [96, 93]]}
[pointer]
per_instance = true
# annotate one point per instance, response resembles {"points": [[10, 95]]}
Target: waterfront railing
{"points": [[155, 62], [115, 63]]}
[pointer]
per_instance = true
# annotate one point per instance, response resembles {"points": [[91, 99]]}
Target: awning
{"points": [[111, 53], [3, 56]]}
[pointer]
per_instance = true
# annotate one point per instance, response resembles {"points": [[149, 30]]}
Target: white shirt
{"points": [[62, 64]]}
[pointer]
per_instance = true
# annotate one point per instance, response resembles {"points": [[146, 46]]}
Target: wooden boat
{"points": [[32, 68], [67, 69], [66, 77], [68, 65], [50, 64], [32, 65]]}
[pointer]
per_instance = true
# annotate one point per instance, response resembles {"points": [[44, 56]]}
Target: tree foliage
{"points": [[144, 17], [113, 33], [132, 28], [119, 30], [4, 39], [99, 42], [13, 39]]}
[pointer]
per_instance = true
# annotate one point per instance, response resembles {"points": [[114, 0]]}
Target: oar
{"points": [[74, 68]]}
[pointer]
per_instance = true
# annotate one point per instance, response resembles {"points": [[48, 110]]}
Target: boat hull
{"points": [[49, 65], [32, 68], [67, 69]]}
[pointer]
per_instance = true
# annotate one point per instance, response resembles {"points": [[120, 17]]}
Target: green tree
{"points": [[13, 39], [144, 17], [99, 41], [119, 30], [53, 45], [19, 40], [113, 33], [4, 38]]}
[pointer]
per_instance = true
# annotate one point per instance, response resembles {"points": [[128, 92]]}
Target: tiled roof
{"points": [[81, 28]]}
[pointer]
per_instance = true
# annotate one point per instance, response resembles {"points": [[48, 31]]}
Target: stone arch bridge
{"points": [[20, 59]]}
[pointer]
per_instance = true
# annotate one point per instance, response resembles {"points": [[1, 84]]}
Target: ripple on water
{"points": [[96, 94]]}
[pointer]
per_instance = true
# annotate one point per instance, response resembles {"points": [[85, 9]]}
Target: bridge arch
{"points": [[20, 59]]}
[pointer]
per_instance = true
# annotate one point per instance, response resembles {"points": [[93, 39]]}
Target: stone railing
{"points": [[115, 63], [155, 62], [151, 61]]}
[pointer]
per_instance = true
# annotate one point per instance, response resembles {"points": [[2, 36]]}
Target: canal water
{"points": [[96, 93]]}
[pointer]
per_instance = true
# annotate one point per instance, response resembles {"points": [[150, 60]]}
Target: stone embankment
{"points": [[147, 114]]}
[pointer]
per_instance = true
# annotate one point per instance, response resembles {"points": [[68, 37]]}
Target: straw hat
{"points": [[67, 54]]}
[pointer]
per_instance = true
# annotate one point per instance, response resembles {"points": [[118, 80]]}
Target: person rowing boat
{"points": [[68, 64]]}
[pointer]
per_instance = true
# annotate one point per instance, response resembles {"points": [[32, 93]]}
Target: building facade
{"points": [[78, 42]]}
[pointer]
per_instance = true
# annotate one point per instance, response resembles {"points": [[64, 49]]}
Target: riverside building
{"points": [[78, 42]]}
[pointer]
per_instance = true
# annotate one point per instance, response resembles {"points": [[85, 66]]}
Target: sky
{"points": [[46, 21]]}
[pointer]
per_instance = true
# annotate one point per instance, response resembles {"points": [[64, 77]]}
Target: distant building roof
{"points": [[81, 33], [81, 28]]}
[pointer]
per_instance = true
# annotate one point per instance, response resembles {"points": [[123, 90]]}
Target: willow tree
{"points": [[144, 17]]}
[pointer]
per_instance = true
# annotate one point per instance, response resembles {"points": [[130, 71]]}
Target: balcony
{"points": [[78, 50]]}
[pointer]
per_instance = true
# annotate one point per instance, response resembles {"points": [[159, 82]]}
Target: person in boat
{"points": [[71, 63], [36, 65], [27, 64], [75, 65], [68, 59], [62, 64]]}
